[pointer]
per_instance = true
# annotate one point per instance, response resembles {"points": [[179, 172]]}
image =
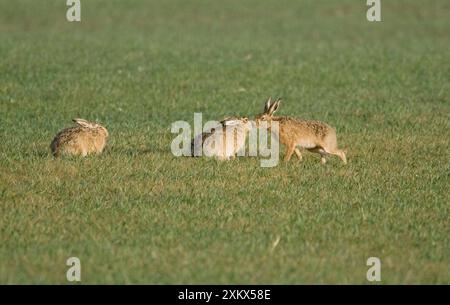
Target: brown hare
{"points": [[84, 139], [314, 136], [223, 141]]}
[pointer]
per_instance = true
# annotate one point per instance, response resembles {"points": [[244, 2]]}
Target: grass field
{"points": [[137, 214]]}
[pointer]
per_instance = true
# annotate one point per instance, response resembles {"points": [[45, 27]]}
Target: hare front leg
{"points": [[289, 151], [298, 153]]}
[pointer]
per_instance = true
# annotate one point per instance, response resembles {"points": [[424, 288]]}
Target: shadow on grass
{"points": [[37, 154], [127, 151]]}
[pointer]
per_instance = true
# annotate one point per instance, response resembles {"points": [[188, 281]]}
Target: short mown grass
{"points": [[137, 214]]}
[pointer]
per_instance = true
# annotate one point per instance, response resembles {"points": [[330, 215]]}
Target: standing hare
{"points": [[315, 136], [223, 141], [83, 139]]}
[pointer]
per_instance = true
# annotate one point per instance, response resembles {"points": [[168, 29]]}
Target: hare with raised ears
{"points": [[83, 139], [223, 141], [314, 136]]}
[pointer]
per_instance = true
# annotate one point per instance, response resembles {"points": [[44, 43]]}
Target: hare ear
{"points": [[276, 105], [83, 123], [267, 105], [231, 122], [224, 121]]}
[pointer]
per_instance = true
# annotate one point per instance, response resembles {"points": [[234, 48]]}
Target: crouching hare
{"points": [[223, 141], [84, 139], [314, 136]]}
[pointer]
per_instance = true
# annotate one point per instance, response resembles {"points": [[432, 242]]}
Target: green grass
{"points": [[137, 214]]}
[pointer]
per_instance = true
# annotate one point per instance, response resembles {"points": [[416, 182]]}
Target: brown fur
{"points": [[81, 140], [315, 136]]}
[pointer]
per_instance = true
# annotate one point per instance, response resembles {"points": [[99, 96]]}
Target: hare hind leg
{"points": [[340, 154], [330, 147], [337, 152]]}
